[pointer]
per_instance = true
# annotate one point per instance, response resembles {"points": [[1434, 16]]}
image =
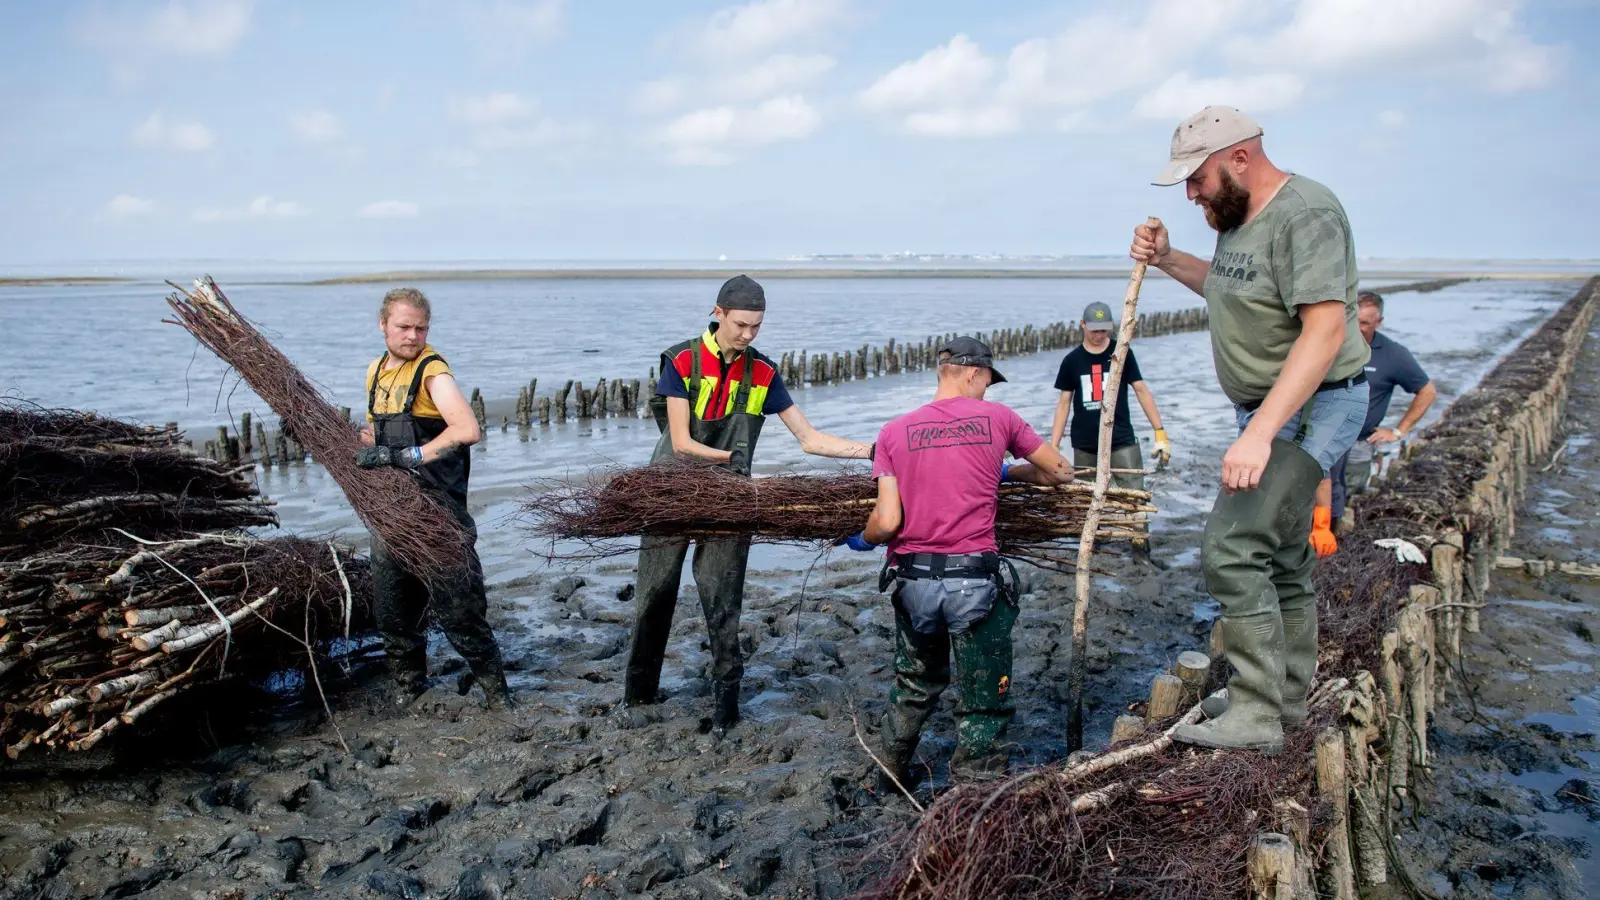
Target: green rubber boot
{"points": [[1251, 720], [1258, 563]]}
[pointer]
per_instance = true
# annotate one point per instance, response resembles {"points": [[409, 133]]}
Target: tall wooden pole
{"points": [[1091, 523]]}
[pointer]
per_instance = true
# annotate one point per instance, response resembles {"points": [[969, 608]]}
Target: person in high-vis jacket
{"points": [[713, 396], [420, 422], [939, 470], [1281, 290]]}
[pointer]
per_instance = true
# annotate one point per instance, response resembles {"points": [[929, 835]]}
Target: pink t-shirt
{"points": [[946, 459]]}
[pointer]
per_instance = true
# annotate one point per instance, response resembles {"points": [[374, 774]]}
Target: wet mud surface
{"points": [[1515, 807], [569, 796]]}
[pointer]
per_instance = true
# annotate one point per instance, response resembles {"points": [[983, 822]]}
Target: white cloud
{"points": [[1182, 94], [1165, 58], [507, 121], [1392, 118], [196, 28], [264, 206], [962, 122], [127, 206], [159, 134], [389, 209], [952, 73], [525, 137], [779, 74], [711, 136], [510, 28], [496, 108], [317, 126], [1479, 36], [660, 95], [752, 29]]}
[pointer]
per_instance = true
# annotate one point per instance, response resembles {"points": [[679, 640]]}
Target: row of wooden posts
{"points": [[253, 443], [1366, 765], [629, 397]]}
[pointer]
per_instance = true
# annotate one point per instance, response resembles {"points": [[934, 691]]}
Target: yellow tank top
{"points": [[389, 393]]}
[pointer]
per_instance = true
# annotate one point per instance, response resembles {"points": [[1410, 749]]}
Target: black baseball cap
{"points": [[742, 292], [969, 351]]}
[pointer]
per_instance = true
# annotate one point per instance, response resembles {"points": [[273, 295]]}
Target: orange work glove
{"points": [[1322, 539]]}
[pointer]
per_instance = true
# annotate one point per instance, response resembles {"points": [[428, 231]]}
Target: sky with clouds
{"points": [[623, 129]]}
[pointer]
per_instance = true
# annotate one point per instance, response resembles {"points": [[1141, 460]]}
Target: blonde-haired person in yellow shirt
{"points": [[420, 422]]}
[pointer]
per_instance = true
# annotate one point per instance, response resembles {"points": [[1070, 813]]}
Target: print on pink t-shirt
{"points": [[946, 458]]}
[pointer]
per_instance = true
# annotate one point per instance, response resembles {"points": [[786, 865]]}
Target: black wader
{"points": [[719, 565], [456, 598]]}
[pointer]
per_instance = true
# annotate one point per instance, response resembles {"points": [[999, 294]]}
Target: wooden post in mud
{"points": [[1270, 864], [544, 410], [1166, 692], [1338, 873], [246, 448], [266, 448], [1126, 728], [1102, 480], [1294, 821], [1192, 668]]}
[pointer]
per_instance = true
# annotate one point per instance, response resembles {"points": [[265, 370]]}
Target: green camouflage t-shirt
{"points": [[1297, 250]]}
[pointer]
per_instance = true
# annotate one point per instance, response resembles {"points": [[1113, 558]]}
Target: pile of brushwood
{"points": [[1152, 819], [127, 577], [1038, 524]]}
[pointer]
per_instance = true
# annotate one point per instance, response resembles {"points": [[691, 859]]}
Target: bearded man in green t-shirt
{"points": [[1281, 290]]}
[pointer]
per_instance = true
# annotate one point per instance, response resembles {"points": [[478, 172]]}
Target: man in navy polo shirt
{"points": [[1391, 366]]}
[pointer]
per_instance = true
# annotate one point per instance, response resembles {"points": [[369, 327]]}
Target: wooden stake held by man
{"points": [[1102, 480]]}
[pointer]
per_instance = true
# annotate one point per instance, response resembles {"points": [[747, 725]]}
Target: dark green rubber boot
{"points": [[1252, 718]]}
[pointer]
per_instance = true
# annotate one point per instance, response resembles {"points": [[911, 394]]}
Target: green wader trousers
{"points": [[1258, 561], [922, 672]]}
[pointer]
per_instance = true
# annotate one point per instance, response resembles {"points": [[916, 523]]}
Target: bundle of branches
{"points": [[93, 637], [1154, 821], [1159, 823], [65, 473], [679, 500], [417, 529]]}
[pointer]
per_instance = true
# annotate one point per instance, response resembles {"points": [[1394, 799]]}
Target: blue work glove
{"points": [[1005, 472], [377, 457], [858, 541]]}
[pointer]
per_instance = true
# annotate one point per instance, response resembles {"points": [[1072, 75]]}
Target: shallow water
{"points": [[499, 333]]}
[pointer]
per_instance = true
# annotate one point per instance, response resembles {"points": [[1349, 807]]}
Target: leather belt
{"points": [[1341, 384]]}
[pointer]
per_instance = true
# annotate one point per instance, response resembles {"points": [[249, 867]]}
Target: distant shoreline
{"points": [[61, 280], [847, 273], [402, 276]]}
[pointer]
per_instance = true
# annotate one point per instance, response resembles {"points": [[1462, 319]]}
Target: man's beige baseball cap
{"points": [[1202, 134]]}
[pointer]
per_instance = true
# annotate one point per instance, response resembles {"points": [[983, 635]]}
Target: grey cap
{"points": [[969, 351], [1097, 317], [742, 292], [1202, 134]]}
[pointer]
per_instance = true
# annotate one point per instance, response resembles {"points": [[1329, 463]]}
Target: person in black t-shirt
{"points": [[1082, 382]]}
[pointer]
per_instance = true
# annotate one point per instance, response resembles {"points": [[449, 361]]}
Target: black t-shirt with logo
{"points": [[1086, 375]]}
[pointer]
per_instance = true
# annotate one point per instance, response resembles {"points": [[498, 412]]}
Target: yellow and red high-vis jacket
{"points": [[714, 395]]}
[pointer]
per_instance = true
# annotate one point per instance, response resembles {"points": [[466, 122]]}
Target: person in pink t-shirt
{"points": [[939, 468]]}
